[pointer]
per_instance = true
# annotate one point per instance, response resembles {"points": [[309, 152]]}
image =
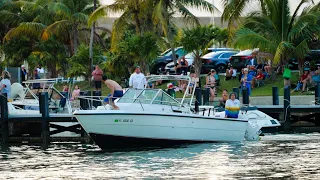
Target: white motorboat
{"points": [[25, 101], [151, 117]]}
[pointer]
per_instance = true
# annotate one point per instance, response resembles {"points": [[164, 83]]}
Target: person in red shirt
{"points": [[305, 78], [97, 77], [260, 75]]}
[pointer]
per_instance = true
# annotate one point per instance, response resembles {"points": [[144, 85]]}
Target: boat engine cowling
{"points": [[253, 131], [17, 91]]}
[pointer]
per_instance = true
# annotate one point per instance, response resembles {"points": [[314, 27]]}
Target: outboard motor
{"points": [[253, 131], [17, 91]]}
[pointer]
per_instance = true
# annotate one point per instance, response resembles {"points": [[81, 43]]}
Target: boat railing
{"points": [[139, 100]]}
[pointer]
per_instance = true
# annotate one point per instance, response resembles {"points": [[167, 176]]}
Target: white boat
{"points": [[151, 117], [25, 101]]}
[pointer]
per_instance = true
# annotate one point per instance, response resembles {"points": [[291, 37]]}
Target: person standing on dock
{"points": [[97, 77], [137, 79], [23, 75], [116, 91], [5, 84]]}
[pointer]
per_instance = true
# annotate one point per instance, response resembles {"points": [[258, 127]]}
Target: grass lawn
{"points": [[264, 90]]}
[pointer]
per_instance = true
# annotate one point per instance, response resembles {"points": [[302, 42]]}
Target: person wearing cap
{"points": [[5, 84], [137, 79], [116, 91], [97, 77], [246, 81], [23, 74]]}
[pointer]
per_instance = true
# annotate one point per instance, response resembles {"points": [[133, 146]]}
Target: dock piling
{"points": [[206, 96], [4, 119], [44, 109], [236, 90], [275, 95], [286, 110], [317, 94], [198, 95], [96, 103], [85, 103], [245, 97]]}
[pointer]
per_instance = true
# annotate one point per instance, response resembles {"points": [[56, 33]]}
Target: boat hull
{"points": [[119, 129]]}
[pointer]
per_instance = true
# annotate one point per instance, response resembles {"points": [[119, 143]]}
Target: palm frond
{"points": [[160, 15], [60, 9], [246, 38], [187, 15], [80, 17], [98, 13], [55, 28], [282, 49], [300, 50], [199, 4], [27, 29]]}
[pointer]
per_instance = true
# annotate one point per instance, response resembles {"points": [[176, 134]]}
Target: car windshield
{"points": [[168, 52], [189, 56], [212, 54], [244, 53]]}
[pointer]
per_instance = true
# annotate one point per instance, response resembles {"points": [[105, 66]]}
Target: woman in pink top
{"points": [[76, 92], [97, 77]]}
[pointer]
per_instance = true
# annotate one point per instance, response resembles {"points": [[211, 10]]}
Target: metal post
{"points": [[317, 94], [44, 108], [286, 109], [236, 90], [198, 92], [275, 95], [206, 96], [245, 97], [4, 119]]}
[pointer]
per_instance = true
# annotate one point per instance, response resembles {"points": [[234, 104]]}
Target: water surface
{"points": [[282, 156]]}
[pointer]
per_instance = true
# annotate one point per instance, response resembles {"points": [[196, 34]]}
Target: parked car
{"points": [[165, 58], [313, 57], [190, 58], [238, 61], [216, 60]]}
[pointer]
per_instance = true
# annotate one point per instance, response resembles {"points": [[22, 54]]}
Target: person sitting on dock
{"points": [[5, 84], [232, 106], [116, 91]]}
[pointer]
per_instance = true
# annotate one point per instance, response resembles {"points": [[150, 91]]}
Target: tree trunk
{"points": [[197, 65], [170, 39], [75, 39], [91, 45]]}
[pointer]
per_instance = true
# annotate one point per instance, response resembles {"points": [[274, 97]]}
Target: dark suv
{"points": [[239, 60], [216, 60], [165, 58]]}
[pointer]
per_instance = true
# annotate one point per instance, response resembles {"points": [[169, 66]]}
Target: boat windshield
{"points": [[148, 96]]}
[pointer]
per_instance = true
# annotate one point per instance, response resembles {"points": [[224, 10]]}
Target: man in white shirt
{"points": [[137, 79], [40, 69]]}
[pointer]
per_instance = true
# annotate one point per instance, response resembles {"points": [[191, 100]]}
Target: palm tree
{"points": [[165, 9], [198, 40], [131, 12], [62, 18], [285, 36]]}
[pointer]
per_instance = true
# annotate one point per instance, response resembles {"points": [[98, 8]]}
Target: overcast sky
{"points": [[218, 4]]}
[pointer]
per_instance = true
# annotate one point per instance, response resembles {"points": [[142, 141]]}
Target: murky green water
{"points": [[275, 156]]}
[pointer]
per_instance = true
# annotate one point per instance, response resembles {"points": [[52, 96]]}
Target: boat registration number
{"points": [[123, 120]]}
